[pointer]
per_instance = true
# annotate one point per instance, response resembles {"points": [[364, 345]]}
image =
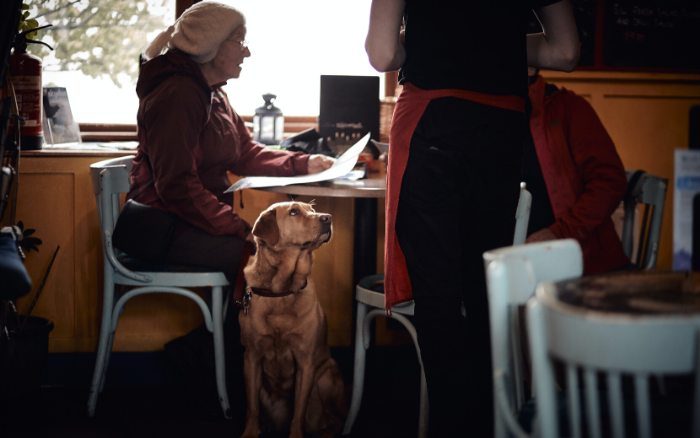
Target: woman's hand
{"points": [[319, 163], [542, 235]]}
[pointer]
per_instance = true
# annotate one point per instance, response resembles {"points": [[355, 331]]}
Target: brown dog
{"points": [[292, 382]]}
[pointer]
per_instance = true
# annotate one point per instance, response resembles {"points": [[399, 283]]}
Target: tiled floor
{"points": [[145, 401]]}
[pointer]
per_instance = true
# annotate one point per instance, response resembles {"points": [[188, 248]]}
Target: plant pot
{"points": [[23, 356]]}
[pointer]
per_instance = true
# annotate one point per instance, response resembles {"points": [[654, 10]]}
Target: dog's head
{"points": [[287, 234], [292, 224]]}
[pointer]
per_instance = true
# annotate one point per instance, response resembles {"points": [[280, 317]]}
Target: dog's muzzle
{"points": [[326, 227]]}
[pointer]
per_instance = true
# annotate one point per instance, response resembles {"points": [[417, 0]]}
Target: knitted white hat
{"points": [[199, 31]]}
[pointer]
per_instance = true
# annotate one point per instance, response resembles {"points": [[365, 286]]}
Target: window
{"points": [[292, 44]]}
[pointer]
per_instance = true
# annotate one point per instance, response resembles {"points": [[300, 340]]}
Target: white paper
{"points": [[342, 166], [687, 184]]}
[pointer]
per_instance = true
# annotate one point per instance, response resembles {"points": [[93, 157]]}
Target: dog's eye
{"points": [[306, 243], [293, 212]]}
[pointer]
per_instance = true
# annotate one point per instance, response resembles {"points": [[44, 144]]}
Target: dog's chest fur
{"points": [[279, 323]]}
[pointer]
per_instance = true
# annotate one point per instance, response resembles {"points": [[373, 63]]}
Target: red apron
{"points": [[409, 109]]}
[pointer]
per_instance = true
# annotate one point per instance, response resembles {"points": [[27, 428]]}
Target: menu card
{"points": [[342, 166], [687, 185]]}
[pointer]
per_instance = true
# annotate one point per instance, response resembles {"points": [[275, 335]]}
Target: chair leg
{"points": [[104, 346], [106, 365], [424, 403], [358, 380], [219, 356]]}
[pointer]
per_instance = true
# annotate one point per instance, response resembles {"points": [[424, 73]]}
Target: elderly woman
{"points": [[189, 137]]}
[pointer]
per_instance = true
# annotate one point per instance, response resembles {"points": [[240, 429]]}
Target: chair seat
{"points": [[169, 274], [370, 291], [141, 265]]}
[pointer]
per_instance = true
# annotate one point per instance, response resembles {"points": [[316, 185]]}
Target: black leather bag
{"points": [[143, 231]]}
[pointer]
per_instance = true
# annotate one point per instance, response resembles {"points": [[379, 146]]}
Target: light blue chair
{"points": [[594, 342], [370, 293], [110, 178], [512, 273]]}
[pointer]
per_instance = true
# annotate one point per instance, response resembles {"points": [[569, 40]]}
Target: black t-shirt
{"points": [[468, 45]]}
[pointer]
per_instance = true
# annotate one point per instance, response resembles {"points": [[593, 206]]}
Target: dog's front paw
{"points": [[249, 433]]}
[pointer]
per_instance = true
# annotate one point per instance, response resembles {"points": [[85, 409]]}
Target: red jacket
{"points": [[189, 137], [583, 173]]}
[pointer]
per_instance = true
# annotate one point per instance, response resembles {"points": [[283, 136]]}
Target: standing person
{"points": [[189, 137], [454, 171], [575, 175]]}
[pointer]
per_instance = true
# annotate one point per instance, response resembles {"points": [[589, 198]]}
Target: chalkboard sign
{"points": [[349, 110], [652, 34]]}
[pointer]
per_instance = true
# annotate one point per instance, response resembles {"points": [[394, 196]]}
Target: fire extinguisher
{"points": [[25, 74]]}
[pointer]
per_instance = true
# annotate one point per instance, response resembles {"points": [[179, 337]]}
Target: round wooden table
{"points": [[365, 193], [634, 292]]}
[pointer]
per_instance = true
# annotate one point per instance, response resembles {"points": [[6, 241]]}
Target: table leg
{"points": [[365, 247]]}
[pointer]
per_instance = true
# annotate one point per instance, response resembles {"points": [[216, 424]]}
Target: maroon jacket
{"points": [[584, 175], [189, 137]]}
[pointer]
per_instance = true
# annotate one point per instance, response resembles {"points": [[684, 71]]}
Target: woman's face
{"points": [[231, 54]]}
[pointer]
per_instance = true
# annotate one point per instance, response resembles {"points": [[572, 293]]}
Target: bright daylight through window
{"points": [[293, 43]]}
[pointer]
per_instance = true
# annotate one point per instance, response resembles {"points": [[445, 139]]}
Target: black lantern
{"points": [[268, 123]]}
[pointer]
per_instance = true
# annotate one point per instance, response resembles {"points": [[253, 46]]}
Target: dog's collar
{"points": [[250, 290], [268, 293]]}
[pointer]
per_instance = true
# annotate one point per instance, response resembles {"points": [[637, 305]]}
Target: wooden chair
{"points": [[370, 293], [650, 190], [595, 343], [512, 274], [110, 178]]}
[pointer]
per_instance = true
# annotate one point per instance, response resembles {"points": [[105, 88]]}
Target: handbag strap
{"points": [[240, 278], [143, 188]]}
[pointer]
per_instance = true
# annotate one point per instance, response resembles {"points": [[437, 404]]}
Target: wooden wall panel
{"points": [[49, 209]]}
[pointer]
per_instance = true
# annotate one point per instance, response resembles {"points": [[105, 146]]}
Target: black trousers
{"points": [[458, 199]]}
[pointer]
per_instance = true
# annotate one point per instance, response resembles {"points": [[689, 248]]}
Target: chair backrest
{"points": [[512, 274], [118, 182], [110, 178], [649, 190], [522, 215], [595, 342]]}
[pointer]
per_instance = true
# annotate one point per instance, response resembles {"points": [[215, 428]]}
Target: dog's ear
{"points": [[266, 227]]}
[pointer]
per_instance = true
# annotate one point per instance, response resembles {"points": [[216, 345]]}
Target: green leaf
{"points": [[29, 232], [32, 241], [25, 7]]}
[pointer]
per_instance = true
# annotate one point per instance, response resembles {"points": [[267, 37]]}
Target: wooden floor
{"points": [[143, 399]]}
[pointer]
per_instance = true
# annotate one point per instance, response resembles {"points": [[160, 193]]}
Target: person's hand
{"points": [[319, 163], [543, 235]]}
